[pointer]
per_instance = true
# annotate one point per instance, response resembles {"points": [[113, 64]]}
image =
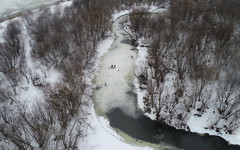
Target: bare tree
{"points": [[39, 124], [12, 129], [12, 54]]}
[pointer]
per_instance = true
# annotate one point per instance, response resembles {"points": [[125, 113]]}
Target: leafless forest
{"points": [[193, 62]]}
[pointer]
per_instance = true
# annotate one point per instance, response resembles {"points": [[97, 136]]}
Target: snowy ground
{"points": [[197, 124]]}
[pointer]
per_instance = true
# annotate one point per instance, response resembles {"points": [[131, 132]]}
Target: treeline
{"points": [[193, 62], [67, 41]]}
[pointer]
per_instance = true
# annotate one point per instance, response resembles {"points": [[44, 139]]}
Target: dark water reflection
{"points": [[145, 129]]}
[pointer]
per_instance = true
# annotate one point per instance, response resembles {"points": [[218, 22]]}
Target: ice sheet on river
{"points": [[116, 73]]}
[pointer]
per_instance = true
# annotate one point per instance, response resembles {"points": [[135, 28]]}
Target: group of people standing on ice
{"points": [[113, 66]]}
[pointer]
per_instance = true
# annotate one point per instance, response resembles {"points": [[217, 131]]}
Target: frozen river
{"points": [[10, 7]]}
